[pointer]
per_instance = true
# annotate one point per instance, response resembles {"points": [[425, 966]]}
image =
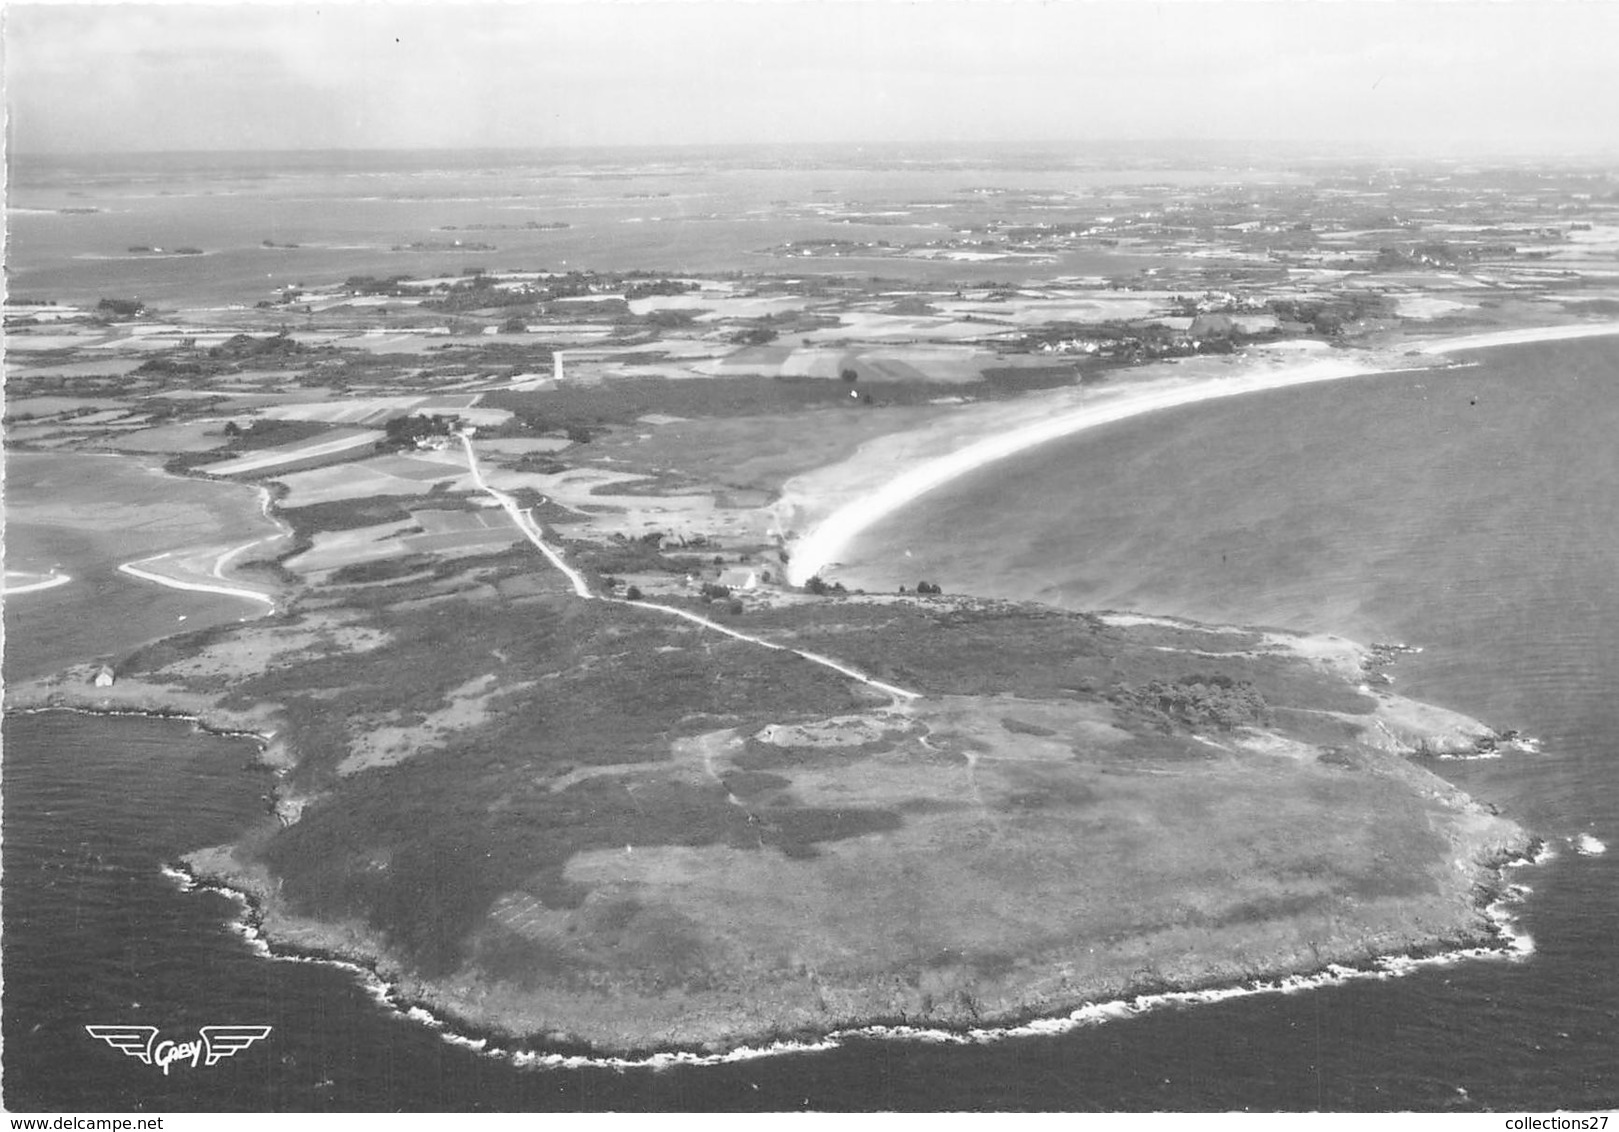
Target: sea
{"points": [[1468, 512]]}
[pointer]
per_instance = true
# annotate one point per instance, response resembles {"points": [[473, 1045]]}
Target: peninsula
{"points": [[579, 739]]}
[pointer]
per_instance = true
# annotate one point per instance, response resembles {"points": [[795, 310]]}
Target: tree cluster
{"points": [[371, 285], [121, 308], [401, 432], [247, 346], [818, 586], [658, 287], [1198, 701]]}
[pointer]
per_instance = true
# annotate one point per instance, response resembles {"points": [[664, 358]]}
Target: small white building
{"points": [[104, 677], [740, 578]]}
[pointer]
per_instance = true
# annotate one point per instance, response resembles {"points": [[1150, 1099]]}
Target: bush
{"points": [[121, 308], [633, 593], [380, 570]]}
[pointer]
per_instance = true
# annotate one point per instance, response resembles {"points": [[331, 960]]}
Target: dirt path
{"points": [[531, 530]]}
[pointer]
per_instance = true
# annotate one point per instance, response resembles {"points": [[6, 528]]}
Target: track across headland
{"points": [[581, 588]]}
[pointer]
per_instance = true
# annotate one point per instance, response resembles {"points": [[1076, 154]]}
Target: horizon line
{"points": [[1445, 151]]}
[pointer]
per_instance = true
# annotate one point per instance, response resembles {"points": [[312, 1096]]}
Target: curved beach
{"points": [[835, 504], [32, 583]]}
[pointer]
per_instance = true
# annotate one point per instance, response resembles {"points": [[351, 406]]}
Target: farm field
{"points": [[275, 459]]}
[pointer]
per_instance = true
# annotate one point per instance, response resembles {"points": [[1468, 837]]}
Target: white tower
{"points": [[556, 366]]}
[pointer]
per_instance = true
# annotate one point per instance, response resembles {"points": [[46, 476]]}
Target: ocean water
{"points": [[57, 510], [671, 210], [1469, 512]]}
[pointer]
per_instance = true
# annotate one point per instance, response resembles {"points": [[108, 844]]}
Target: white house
{"points": [[740, 578]]}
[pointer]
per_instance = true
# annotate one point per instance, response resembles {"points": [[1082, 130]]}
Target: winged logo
{"points": [[214, 1044], [228, 1041], [136, 1041]]}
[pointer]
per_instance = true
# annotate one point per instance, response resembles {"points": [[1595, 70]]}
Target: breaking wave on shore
{"points": [[1513, 945]]}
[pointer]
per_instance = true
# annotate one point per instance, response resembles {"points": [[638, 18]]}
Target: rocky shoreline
{"points": [[1049, 982], [354, 947]]}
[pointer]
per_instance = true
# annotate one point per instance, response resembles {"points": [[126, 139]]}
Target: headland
{"points": [[579, 740]]}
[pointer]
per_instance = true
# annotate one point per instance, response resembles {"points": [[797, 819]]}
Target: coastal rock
{"points": [[1407, 726]]}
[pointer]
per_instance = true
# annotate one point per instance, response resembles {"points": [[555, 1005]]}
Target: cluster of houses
{"points": [[1172, 336]]}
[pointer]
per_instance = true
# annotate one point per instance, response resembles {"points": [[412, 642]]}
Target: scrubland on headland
{"points": [[627, 831], [579, 739]]}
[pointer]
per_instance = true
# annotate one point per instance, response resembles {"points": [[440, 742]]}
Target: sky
{"points": [[1510, 76]]}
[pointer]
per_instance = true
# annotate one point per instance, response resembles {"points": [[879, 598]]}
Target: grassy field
{"points": [[758, 452]]}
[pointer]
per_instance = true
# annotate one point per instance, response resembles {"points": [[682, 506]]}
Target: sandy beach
{"points": [[820, 512], [18, 582], [135, 570]]}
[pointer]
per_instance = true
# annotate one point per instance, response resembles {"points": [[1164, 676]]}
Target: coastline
{"points": [[72, 690], [361, 948], [281, 936], [1165, 972], [49, 582], [137, 570], [187, 564], [822, 512]]}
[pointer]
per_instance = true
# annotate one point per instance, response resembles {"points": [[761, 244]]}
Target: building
{"points": [[104, 677], [739, 578]]}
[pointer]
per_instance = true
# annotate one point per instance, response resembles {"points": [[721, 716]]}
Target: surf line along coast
{"points": [[832, 506]]}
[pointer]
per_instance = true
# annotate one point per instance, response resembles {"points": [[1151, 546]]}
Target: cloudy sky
{"points": [[1514, 76]]}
